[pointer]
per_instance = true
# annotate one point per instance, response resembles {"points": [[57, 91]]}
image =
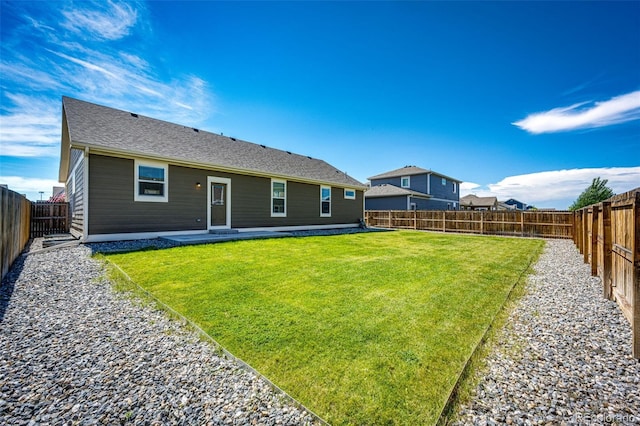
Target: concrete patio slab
{"points": [[221, 237]]}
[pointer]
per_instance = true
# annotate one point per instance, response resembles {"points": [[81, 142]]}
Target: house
{"points": [[473, 202], [128, 176], [412, 188], [504, 206], [518, 205], [58, 195]]}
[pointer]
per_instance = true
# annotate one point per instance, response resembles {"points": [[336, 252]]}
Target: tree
{"points": [[596, 192]]}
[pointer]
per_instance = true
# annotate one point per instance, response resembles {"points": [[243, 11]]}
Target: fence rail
{"points": [[608, 236], [516, 223], [15, 214], [49, 218]]}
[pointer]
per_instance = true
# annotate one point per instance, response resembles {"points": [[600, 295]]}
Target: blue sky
{"points": [[516, 99]]}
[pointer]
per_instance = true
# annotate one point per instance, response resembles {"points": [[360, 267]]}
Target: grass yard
{"points": [[370, 328]]}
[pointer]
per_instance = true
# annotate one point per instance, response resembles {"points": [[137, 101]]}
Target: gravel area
{"points": [[564, 357], [75, 352]]}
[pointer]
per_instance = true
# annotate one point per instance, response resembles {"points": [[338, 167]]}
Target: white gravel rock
{"points": [[564, 357]]}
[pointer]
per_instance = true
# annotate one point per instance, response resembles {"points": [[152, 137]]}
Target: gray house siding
{"points": [[438, 190], [75, 191], [113, 209], [395, 181], [386, 203], [416, 182], [439, 205]]}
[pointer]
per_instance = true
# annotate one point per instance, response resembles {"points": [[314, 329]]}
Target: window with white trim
{"points": [[444, 181], [405, 181], [151, 181], [325, 201], [349, 194], [278, 198], [454, 187]]}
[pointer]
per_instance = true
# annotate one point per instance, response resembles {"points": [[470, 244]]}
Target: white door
{"points": [[219, 202]]}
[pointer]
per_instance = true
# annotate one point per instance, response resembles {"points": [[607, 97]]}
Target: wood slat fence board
{"points": [[517, 223], [608, 236], [49, 218], [15, 216]]}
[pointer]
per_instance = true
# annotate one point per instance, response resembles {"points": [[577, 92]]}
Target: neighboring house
{"points": [[504, 206], [129, 176], [518, 205], [473, 202], [412, 188], [59, 196]]}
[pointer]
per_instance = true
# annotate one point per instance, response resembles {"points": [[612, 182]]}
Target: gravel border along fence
{"points": [[564, 356]]}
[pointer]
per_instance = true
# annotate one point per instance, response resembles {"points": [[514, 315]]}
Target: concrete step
{"points": [[223, 231], [55, 239]]}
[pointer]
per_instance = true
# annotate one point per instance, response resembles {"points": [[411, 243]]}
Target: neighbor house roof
{"points": [[386, 190], [475, 201], [108, 130], [409, 171]]}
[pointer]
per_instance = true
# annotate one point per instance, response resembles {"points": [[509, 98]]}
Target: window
{"points": [[405, 182], [278, 198], [325, 201], [151, 182], [444, 181], [454, 187], [349, 194]]}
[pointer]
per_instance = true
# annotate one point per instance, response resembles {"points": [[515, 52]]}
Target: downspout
{"points": [[85, 196], [429, 183]]}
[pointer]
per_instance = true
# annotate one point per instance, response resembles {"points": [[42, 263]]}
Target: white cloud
{"points": [[114, 21], [31, 187], [616, 110], [31, 128], [558, 188], [62, 63], [469, 187]]}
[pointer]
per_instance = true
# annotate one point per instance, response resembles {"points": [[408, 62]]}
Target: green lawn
{"points": [[370, 328]]}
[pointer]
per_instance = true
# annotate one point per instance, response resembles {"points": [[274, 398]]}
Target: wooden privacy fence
{"points": [[49, 218], [545, 224], [608, 236], [15, 214]]}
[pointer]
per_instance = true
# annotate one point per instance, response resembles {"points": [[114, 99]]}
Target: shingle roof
{"points": [[409, 171], [112, 130], [386, 190], [473, 200]]}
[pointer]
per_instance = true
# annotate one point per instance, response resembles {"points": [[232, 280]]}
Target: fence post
{"points": [[585, 235], [389, 211], [481, 222], [604, 249], [635, 277], [594, 240], [444, 221]]}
